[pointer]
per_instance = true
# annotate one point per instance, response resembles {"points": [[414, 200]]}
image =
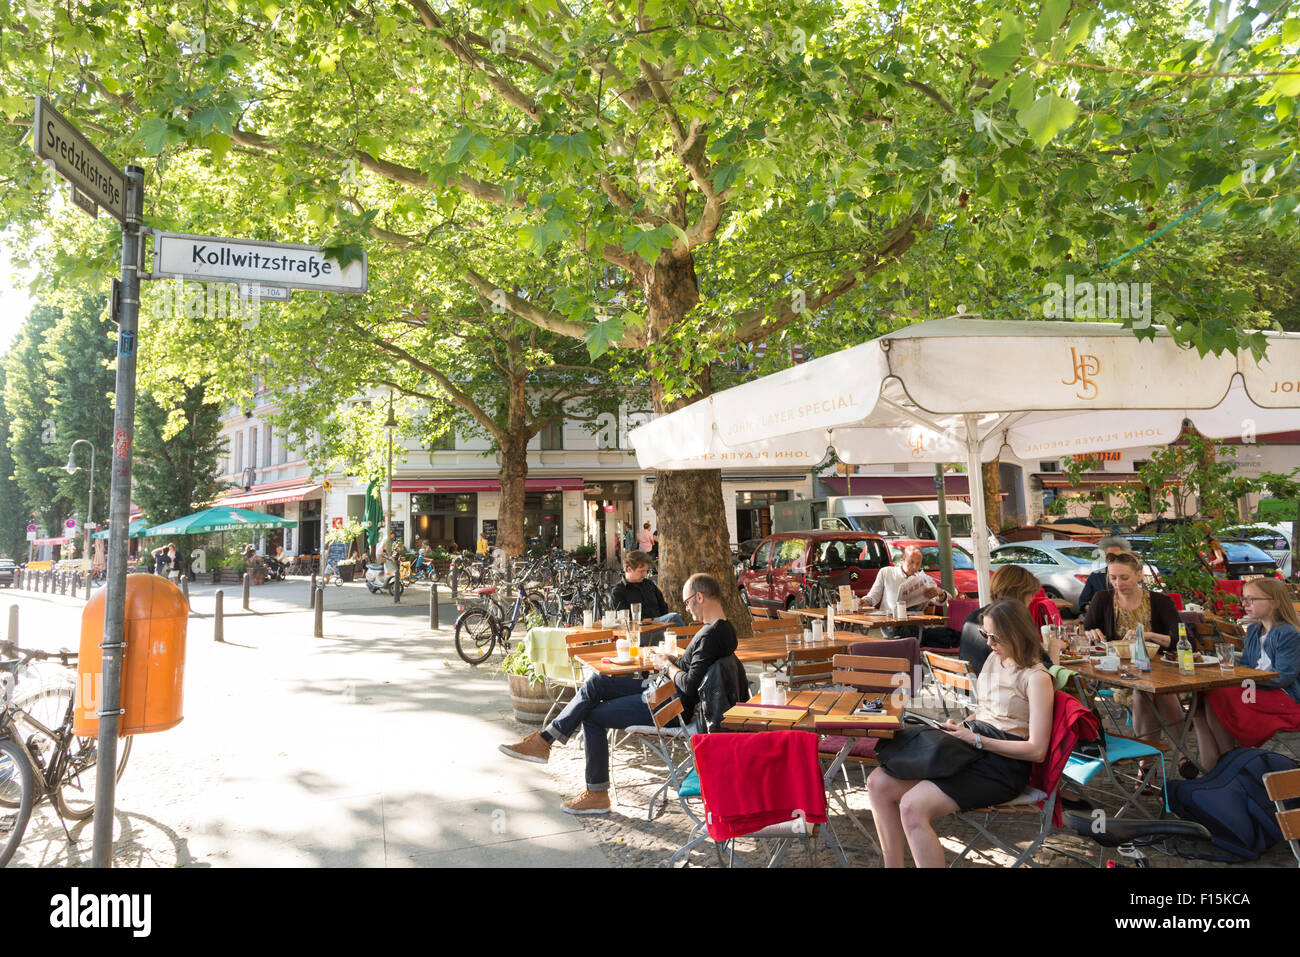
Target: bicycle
{"points": [[481, 627], [40, 756]]}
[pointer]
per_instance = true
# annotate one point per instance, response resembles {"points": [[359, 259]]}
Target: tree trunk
{"points": [[992, 494], [692, 516], [514, 469]]}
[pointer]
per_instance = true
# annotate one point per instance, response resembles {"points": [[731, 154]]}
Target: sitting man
{"points": [[905, 582], [634, 589], [1097, 580], [612, 702]]}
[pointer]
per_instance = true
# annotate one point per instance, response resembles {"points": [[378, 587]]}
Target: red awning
{"points": [[898, 488], [484, 485], [275, 496], [53, 541]]}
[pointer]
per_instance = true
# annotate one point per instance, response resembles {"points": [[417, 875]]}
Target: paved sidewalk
{"points": [[375, 746]]}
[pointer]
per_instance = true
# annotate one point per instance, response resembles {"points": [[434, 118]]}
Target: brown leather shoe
{"points": [[588, 802], [533, 748]]}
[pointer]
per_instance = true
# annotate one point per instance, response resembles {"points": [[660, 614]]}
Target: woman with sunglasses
{"points": [[1011, 728], [1228, 717], [1115, 615]]}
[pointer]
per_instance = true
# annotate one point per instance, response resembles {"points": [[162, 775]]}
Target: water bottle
{"points": [[1140, 656], [830, 621], [1186, 663]]}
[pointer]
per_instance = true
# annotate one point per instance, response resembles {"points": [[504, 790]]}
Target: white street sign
{"points": [[253, 262], [31, 536], [57, 141]]}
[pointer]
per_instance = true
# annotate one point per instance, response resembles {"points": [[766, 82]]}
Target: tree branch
{"points": [[494, 295]]}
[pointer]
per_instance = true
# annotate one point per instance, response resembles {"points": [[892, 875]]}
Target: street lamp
{"points": [[72, 468], [390, 426]]}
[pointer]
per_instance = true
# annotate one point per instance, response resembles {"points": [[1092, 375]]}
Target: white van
{"points": [[861, 513], [920, 521]]}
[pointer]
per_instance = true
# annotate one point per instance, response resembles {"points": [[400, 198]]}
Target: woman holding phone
{"points": [[1011, 729]]}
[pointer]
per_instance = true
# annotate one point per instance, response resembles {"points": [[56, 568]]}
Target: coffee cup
{"points": [[588, 618], [623, 649], [670, 643]]}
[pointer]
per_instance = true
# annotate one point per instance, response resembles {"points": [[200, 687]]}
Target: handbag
{"points": [[924, 754]]}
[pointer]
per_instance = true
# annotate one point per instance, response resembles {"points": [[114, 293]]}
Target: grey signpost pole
{"points": [[944, 531], [119, 517]]}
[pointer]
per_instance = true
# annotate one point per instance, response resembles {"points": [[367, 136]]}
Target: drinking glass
{"points": [[634, 641], [636, 611], [1227, 662]]}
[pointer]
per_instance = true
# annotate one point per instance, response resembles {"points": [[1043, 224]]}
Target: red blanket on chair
{"points": [[1071, 722], [750, 781]]}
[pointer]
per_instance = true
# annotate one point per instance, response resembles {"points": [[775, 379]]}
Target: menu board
{"points": [[338, 552], [490, 530]]}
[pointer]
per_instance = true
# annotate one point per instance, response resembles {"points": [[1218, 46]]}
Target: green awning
{"points": [[137, 530], [220, 519]]}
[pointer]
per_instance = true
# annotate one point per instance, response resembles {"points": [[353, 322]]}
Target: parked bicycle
{"points": [[40, 756], [487, 623]]}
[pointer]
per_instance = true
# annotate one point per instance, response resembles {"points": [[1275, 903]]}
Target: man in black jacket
{"points": [[635, 589], [611, 702]]}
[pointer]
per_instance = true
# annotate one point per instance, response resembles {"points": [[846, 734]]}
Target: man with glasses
{"points": [[606, 702], [636, 589]]}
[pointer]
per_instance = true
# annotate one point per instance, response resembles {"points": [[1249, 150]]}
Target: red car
{"points": [[964, 577], [776, 571]]}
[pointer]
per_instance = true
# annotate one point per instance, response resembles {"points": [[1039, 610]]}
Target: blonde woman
{"points": [[1227, 717], [1017, 584]]}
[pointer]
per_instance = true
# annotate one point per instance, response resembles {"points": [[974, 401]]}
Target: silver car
{"points": [[1275, 540], [1060, 564]]}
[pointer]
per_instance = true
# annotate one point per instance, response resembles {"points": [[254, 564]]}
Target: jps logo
{"points": [[917, 442], [1085, 367]]}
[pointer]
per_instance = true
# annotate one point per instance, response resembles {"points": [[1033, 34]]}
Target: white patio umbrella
{"points": [[961, 389]]}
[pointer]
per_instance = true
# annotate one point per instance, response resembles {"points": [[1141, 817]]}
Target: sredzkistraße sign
{"points": [[59, 142], [253, 262]]}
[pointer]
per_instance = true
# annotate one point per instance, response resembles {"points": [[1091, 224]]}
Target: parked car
{"points": [[1060, 564], [1273, 539], [780, 565], [8, 572], [964, 576], [1245, 561]]}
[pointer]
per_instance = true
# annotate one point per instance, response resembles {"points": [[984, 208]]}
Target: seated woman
{"points": [[1012, 729], [1115, 615], [1017, 584], [1228, 717]]}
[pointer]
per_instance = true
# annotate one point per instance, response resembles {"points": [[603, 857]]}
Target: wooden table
{"points": [[1165, 678], [647, 626], [872, 620]]}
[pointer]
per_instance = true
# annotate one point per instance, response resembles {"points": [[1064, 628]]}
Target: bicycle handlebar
{"points": [[65, 657]]}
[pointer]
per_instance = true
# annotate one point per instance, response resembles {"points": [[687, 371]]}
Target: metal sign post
{"points": [[119, 516]]}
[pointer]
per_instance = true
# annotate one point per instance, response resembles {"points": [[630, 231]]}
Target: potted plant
{"points": [[442, 560], [584, 554], [529, 695]]}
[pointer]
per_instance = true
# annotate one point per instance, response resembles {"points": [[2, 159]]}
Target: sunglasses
{"points": [[990, 638], [1248, 599]]}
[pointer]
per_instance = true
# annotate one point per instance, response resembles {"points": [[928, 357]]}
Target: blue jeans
{"points": [[672, 618], [600, 704]]}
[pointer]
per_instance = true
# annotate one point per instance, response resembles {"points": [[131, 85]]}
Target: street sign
{"points": [[253, 262], [60, 144], [31, 535], [70, 523], [273, 293], [85, 203], [31, 528]]}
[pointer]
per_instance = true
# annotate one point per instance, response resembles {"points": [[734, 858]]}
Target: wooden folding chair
{"points": [[665, 705], [951, 674], [789, 614], [1284, 786], [810, 666], [767, 625], [585, 642]]}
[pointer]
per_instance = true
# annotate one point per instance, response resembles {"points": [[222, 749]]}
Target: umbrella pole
{"points": [[979, 521], [945, 532]]}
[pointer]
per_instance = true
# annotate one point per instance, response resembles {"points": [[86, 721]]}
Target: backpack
{"points": [[1231, 802]]}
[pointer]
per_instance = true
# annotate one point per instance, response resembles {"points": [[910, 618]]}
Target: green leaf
{"points": [[998, 58], [570, 149], [344, 253], [1022, 92], [218, 144], [1050, 20], [466, 143], [153, 134], [1288, 85], [603, 336], [1049, 115], [725, 174], [1080, 28], [1157, 166]]}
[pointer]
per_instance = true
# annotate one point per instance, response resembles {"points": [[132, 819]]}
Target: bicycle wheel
{"points": [[43, 702], [75, 796], [476, 635], [18, 788]]}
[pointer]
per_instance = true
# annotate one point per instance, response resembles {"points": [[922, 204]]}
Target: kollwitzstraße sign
{"points": [[253, 262], [58, 141]]}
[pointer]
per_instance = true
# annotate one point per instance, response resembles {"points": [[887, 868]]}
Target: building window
{"points": [[284, 449], [252, 447], [1054, 466], [267, 448], [239, 452], [445, 442], [553, 436]]}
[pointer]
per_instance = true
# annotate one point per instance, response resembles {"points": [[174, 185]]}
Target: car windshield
{"points": [[841, 553], [1244, 552], [1081, 554], [959, 525], [880, 524]]}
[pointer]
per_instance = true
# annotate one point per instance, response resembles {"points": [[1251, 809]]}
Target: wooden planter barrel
{"points": [[530, 701]]}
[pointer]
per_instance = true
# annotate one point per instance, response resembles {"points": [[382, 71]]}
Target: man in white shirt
{"points": [[905, 582]]}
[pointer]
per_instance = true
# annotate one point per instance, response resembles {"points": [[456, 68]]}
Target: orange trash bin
{"points": [[153, 662]]}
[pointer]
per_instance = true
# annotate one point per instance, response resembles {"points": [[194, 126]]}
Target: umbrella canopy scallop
{"points": [[220, 519]]}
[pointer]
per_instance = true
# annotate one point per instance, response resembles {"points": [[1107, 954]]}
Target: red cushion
{"points": [[831, 744]]}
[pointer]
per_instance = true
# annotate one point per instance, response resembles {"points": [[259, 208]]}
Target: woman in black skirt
{"points": [[1011, 729]]}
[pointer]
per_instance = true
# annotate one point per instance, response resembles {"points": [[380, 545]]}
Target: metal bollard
{"points": [[397, 586], [76, 583], [433, 605], [320, 612], [67, 578], [185, 589], [311, 597], [218, 622], [13, 625], [248, 581]]}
